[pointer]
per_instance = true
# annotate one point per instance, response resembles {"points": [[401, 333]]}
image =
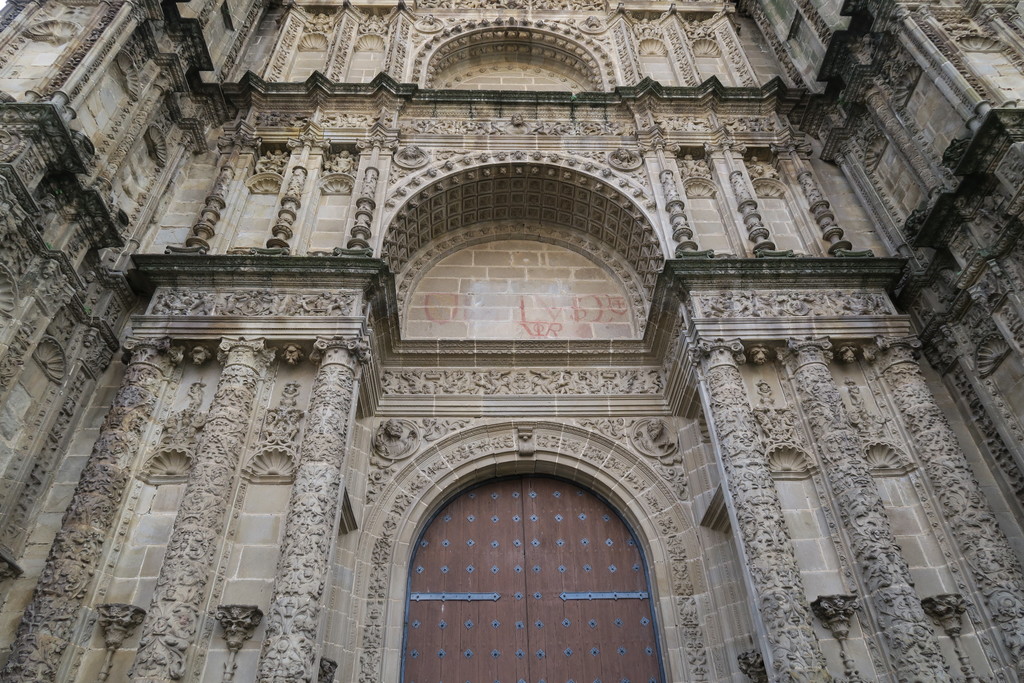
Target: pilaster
{"points": [[290, 648], [173, 619], [993, 564], [49, 621], [913, 650], [792, 648]]}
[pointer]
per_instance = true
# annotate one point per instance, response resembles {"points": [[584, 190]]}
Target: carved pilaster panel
{"points": [[772, 566], [993, 564], [49, 620], [173, 619], [913, 650], [290, 646]]}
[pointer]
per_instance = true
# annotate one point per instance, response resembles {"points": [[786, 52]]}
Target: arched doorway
{"points": [[529, 579]]}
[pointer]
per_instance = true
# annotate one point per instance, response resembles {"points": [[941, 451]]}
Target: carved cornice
{"points": [[811, 273], [318, 91]]}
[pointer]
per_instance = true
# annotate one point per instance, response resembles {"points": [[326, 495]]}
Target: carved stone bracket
{"points": [[238, 622], [118, 621], [836, 613]]}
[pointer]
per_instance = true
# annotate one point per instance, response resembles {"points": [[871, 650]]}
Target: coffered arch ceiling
{"points": [[537, 193], [486, 49]]}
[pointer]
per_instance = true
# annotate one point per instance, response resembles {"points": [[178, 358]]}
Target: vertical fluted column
{"points": [[793, 648], [913, 651], [49, 620], [290, 645], [174, 616], [993, 564]]}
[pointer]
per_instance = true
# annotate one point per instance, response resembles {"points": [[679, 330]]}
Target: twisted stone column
{"points": [[995, 568], [48, 623], [290, 645], [913, 650], [174, 616], [793, 648]]}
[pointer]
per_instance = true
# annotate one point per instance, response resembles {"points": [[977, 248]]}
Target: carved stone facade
{"points": [[684, 255]]}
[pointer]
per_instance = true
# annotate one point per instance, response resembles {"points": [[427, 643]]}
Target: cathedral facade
{"points": [[511, 340]]}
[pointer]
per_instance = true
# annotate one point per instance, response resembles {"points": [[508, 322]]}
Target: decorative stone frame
{"points": [[582, 55], [611, 217], [628, 482]]}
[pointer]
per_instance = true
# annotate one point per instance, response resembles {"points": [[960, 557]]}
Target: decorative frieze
{"points": [[251, 303], [772, 304], [538, 381]]}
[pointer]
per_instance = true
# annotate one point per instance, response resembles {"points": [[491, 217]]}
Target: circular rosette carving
{"points": [[429, 24], [411, 157], [395, 440], [624, 159], [654, 438]]}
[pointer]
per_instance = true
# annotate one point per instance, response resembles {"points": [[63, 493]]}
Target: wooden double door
{"points": [[529, 580]]}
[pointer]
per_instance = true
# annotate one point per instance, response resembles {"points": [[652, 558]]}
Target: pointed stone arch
{"points": [[636, 487]]}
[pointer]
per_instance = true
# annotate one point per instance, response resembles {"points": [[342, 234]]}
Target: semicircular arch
{"points": [[646, 494], [535, 193], [562, 48]]}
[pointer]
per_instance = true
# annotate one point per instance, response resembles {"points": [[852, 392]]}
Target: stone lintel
{"points": [[804, 273]]}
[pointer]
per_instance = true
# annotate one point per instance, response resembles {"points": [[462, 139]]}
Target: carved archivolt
{"points": [[558, 47], [533, 192], [426, 480]]}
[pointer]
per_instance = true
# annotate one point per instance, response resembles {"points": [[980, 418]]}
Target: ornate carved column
{"points": [[836, 612], [49, 620], [792, 646], [913, 651], [948, 609], [174, 616], [993, 564], [290, 646]]}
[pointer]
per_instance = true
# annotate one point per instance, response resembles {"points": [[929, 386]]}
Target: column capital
{"points": [[155, 351], [714, 352], [809, 350], [349, 351], [894, 350], [251, 353]]}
